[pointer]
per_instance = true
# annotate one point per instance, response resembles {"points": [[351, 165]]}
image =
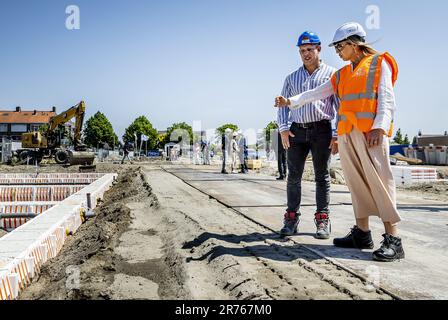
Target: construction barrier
{"points": [[37, 193], [51, 175], [24, 213], [409, 175], [5, 286], [40, 181], [24, 250], [48, 178]]}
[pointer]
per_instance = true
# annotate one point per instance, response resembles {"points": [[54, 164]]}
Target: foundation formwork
{"points": [[41, 211]]}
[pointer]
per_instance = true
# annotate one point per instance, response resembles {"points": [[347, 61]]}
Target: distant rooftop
{"points": [[432, 135], [32, 116]]}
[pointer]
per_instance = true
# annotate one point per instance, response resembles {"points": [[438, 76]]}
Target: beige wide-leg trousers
{"points": [[369, 177]]}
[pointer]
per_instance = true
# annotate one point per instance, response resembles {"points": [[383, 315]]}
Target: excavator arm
{"points": [[79, 155], [77, 111]]}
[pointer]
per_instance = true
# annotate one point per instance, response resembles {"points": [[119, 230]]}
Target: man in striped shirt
{"points": [[305, 130]]}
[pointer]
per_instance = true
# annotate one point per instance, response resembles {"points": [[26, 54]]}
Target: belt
{"points": [[311, 124]]}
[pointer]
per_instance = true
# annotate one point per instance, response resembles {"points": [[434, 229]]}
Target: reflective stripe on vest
{"points": [[359, 115]]}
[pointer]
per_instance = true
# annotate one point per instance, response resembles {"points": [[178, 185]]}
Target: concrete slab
{"points": [[275, 189], [199, 174], [229, 192], [193, 175], [263, 193], [422, 275], [341, 195]]}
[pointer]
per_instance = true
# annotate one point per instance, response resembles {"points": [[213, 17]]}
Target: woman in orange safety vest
{"points": [[365, 119]]}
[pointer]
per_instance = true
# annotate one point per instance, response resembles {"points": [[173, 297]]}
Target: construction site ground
{"points": [[173, 231]]}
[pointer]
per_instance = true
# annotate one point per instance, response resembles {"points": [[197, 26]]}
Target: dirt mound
{"points": [[88, 256], [442, 172], [435, 190]]}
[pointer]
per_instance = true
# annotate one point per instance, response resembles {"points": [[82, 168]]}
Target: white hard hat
{"points": [[347, 30]]}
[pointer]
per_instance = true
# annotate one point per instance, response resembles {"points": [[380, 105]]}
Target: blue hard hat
{"points": [[308, 38]]}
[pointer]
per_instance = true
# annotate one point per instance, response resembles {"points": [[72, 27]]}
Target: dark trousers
{"points": [[317, 139], [281, 162], [126, 155], [223, 160], [243, 161]]}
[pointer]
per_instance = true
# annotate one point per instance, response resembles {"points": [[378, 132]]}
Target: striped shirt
{"points": [[301, 81]]}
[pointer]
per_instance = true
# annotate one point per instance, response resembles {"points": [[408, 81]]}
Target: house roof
{"points": [[432, 136], [26, 116]]}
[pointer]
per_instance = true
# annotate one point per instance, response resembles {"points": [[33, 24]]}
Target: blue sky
{"points": [[208, 60]]}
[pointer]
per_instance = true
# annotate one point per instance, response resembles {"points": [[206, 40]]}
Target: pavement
{"points": [[422, 275]]}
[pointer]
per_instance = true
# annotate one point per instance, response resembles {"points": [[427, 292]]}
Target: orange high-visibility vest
{"points": [[358, 92]]}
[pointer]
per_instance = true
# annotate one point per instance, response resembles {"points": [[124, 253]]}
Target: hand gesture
{"points": [[281, 102]]}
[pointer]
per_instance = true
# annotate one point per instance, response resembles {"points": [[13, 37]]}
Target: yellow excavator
{"points": [[48, 144]]}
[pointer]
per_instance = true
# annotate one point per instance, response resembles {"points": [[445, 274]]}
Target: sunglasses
{"points": [[340, 46]]}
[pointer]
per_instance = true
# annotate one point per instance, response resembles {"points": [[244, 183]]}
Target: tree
{"points": [[222, 129], [406, 140], [140, 126], [99, 129], [161, 138], [177, 126], [43, 128], [398, 137]]}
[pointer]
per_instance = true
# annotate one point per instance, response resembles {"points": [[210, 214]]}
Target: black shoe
{"points": [[291, 223], [280, 178], [224, 172], [391, 249], [355, 239]]}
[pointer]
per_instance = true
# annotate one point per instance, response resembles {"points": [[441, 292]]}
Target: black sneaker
{"points": [[355, 239], [280, 178], [391, 249], [243, 170], [323, 225], [291, 224]]}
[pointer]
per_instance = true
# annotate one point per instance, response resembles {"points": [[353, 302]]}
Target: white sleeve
{"points": [[386, 99], [321, 92]]}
